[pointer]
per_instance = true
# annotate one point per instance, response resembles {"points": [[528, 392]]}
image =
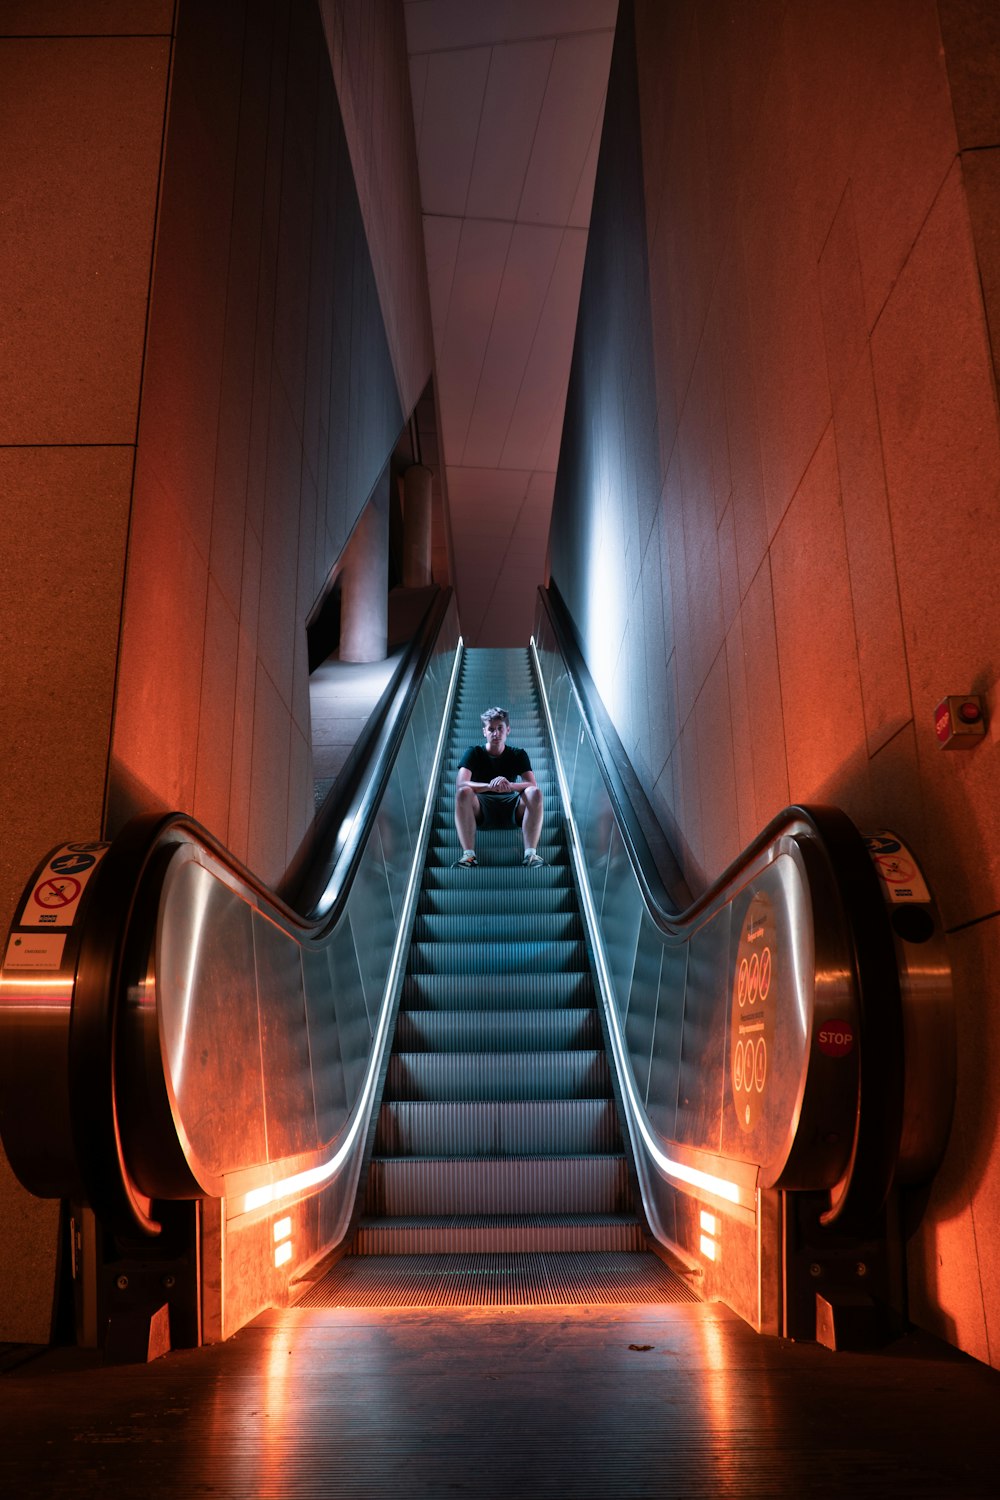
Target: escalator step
{"points": [[497, 958], [448, 992], [505, 844], [495, 878], [499, 927], [465, 1234], [571, 1127], [497, 1075], [471, 896], [497, 1185], [498, 1030]]}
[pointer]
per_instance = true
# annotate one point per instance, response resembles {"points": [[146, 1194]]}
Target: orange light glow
{"points": [[709, 1222], [708, 1247], [282, 1229], [283, 1253]]}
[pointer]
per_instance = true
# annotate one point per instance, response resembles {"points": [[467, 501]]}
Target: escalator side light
{"points": [[719, 1187], [314, 1177]]}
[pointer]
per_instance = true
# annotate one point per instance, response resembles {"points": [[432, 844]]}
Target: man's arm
{"points": [[501, 784]]}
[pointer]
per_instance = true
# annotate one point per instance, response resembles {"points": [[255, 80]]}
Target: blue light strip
{"points": [[679, 1171]]}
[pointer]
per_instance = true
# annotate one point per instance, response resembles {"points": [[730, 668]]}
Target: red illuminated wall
{"points": [[197, 393], [777, 518]]}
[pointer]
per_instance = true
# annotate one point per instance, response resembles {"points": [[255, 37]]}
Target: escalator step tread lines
{"points": [[498, 1131]]}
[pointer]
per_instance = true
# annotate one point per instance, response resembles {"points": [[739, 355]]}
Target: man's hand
{"points": [[501, 784]]}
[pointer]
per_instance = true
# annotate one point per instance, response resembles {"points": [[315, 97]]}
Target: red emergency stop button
{"points": [[960, 721]]}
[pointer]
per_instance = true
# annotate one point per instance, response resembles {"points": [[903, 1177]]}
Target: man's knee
{"points": [[533, 799], [466, 797]]}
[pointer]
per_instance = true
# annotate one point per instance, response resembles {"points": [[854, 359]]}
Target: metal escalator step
{"points": [[471, 896], [465, 992], [504, 1233], [561, 1030], [443, 825], [540, 957], [497, 1185], [491, 858], [495, 878], [498, 927], [501, 842], [512, 1128], [498, 1075]]}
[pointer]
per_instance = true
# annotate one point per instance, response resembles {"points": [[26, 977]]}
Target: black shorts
{"points": [[498, 809]]}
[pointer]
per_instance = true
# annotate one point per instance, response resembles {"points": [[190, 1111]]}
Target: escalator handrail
{"points": [[878, 1129], [120, 888], [316, 887]]}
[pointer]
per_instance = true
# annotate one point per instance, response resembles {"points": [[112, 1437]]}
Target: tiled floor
{"points": [[341, 698], [342, 695], [641, 1401]]}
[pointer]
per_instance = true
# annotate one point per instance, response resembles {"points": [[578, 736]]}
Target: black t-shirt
{"points": [[511, 762]]}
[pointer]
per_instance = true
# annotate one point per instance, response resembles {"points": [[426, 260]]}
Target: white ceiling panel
{"points": [[433, 24], [418, 86], [472, 490], [482, 255], [573, 103], [543, 385], [548, 454], [508, 100], [441, 239], [531, 261], [515, 90], [449, 126], [579, 214]]}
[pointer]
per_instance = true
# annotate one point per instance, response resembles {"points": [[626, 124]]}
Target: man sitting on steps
{"points": [[496, 788]]}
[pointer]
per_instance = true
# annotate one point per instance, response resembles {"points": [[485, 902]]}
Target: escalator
{"points": [[494, 1084], [499, 1171]]}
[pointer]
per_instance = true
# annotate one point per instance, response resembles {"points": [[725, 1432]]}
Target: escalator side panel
{"points": [[289, 1102], [329, 1085]]}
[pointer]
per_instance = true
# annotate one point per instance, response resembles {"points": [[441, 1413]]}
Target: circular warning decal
{"points": [[56, 892], [751, 1018], [835, 1038]]}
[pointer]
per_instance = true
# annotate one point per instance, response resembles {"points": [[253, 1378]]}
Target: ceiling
{"points": [[508, 102]]}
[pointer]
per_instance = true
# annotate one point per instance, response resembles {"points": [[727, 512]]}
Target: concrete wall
{"points": [[269, 408], [777, 518], [197, 394]]}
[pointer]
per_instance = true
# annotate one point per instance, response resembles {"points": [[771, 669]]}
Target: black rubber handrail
{"points": [[878, 1129], [326, 866]]}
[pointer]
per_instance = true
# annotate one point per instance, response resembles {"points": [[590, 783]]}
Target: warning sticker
{"points": [[54, 900], [35, 950], [897, 869]]}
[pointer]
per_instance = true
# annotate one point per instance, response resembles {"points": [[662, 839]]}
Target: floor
{"points": [[671, 1399], [342, 696]]}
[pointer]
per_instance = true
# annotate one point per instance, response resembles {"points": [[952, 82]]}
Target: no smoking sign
{"points": [[55, 897]]}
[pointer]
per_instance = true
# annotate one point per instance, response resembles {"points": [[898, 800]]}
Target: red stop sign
{"points": [[835, 1038]]}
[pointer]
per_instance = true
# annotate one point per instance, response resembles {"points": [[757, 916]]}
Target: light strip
{"points": [[721, 1187], [315, 1176]]}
